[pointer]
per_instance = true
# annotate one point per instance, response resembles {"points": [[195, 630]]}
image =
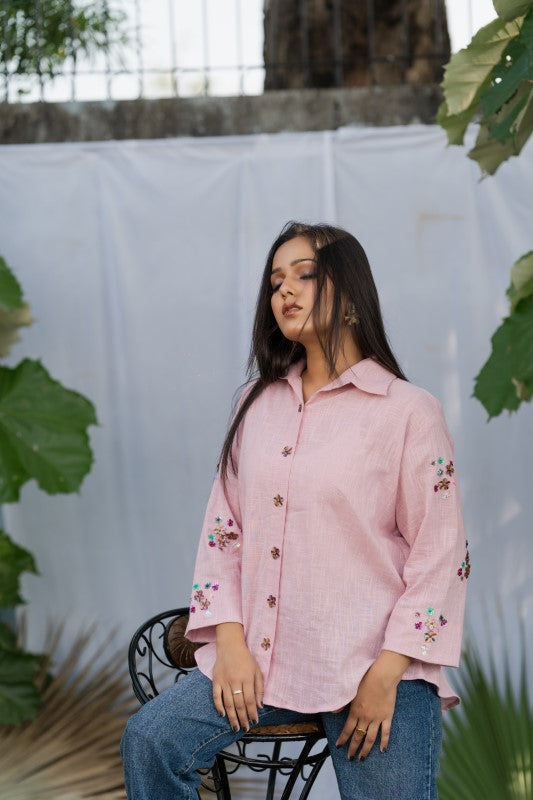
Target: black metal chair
{"points": [[159, 654]]}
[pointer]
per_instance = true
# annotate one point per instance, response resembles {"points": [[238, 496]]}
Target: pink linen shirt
{"points": [[340, 535]]}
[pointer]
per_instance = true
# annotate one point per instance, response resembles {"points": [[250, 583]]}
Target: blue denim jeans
{"points": [[180, 731]]}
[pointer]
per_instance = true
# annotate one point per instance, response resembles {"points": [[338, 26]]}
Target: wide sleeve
{"points": [[216, 590], [427, 620]]}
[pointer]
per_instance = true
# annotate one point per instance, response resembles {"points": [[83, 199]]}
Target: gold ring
{"points": [[360, 731]]}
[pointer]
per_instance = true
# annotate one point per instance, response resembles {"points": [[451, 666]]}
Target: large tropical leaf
{"points": [[70, 750], [14, 560], [487, 748], [19, 696], [43, 432], [507, 377], [510, 9], [469, 70], [10, 291]]}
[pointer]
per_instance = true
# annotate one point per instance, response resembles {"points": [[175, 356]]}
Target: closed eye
{"points": [[306, 276]]}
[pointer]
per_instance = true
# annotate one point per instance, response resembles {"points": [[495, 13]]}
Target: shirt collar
{"points": [[367, 375]]}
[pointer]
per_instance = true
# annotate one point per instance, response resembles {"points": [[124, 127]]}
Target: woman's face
{"points": [[293, 281]]}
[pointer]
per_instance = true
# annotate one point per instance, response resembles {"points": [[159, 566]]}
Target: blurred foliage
{"points": [[488, 741], [38, 37], [491, 81], [43, 436]]}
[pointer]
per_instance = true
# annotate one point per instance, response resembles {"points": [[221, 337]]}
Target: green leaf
{"points": [[8, 639], [521, 279], [504, 128], [506, 379], [519, 69], [10, 291], [19, 697], [14, 560], [489, 152], [510, 9], [455, 125], [468, 72], [43, 432], [10, 322]]}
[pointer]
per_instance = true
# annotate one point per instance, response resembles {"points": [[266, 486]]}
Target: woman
{"points": [[330, 575]]}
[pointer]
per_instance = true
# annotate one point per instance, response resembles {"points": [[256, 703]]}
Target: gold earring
{"points": [[351, 317]]}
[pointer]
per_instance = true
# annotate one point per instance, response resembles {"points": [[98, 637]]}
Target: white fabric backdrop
{"points": [[141, 263]]}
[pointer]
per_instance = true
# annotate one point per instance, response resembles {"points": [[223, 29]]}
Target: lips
{"points": [[290, 308]]}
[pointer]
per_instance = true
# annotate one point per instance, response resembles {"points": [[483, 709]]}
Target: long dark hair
{"points": [[341, 258]]}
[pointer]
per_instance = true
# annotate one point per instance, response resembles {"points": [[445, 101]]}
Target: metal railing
{"points": [[178, 48]]}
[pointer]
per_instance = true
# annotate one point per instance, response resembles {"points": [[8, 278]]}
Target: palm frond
{"points": [[71, 749], [488, 743]]}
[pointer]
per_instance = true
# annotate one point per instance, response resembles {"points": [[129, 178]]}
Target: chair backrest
{"points": [[159, 654]]}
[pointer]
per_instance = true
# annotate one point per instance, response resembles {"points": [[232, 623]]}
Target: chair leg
{"points": [[273, 772], [220, 778]]}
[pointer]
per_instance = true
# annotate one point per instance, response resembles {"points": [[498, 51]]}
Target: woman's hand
{"points": [[373, 705], [235, 669]]}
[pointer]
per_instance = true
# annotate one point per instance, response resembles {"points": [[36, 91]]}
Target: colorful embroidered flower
{"points": [[275, 552], [265, 644], [464, 570], [203, 597], [278, 500], [430, 626], [443, 484], [450, 469], [271, 600], [286, 451], [222, 538]]}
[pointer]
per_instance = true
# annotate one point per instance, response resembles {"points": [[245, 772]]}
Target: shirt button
{"points": [[275, 553], [286, 451], [265, 644], [271, 600], [278, 500]]}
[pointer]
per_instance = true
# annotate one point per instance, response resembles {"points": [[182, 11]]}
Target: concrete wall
{"points": [[291, 110]]}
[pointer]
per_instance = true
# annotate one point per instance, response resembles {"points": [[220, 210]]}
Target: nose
{"points": [[285, 289]]}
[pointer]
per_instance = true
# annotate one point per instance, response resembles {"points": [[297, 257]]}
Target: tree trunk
{"points": [[321, 43]]}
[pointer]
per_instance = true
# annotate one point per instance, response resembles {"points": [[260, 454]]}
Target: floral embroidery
{"points": [[278, 500], [286, 451], [431, 626], [464, 570], [271, 600], [204, 600], [265, 644], [444, 473], [222, 538], [275, 552]]}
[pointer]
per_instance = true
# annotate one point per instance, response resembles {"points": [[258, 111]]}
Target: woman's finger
{"points": [[385, 734], [229, 705], [358, 735], [217, 699], [370, 738], [249, 702], [259, 688], [348, 729], [240, 708]]}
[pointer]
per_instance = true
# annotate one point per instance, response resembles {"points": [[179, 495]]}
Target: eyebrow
{"points": [[293, 263]]}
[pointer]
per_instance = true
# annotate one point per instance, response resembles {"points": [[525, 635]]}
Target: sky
{"points": [[222, 33]]}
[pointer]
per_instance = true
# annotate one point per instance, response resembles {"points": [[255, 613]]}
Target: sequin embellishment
{"points": [[464, 570], [431, 626], [444, 474], [222, 538], [203, 596]]}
